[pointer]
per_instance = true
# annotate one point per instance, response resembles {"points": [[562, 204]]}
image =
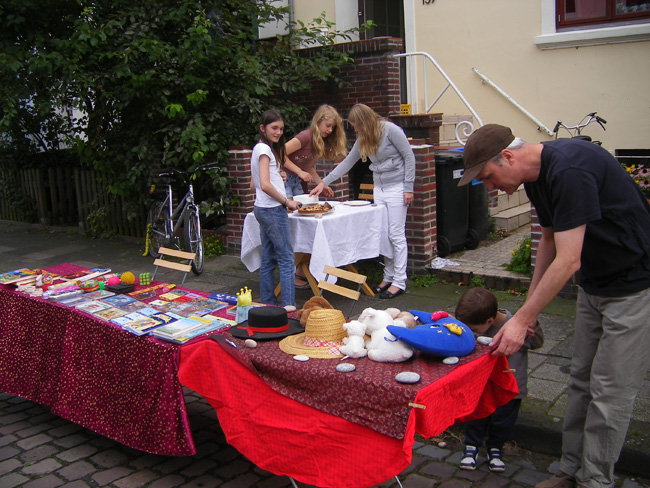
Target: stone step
{"points": [[513, 218], [505, 201]]}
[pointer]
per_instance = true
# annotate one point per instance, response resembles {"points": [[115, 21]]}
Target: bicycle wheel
{"points": [[156, 228], [193, 240]]}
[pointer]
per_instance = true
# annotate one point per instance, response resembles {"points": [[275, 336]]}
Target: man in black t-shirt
{"points": [[594, 220]]}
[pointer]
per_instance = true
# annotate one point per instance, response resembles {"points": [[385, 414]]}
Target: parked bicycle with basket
{"points": [[177, 227]]}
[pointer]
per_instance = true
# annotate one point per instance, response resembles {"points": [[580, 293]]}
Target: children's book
{"points": [[180, 327], [119, 300], [143, 326], [110, 313], [16, 275], [212, 326], [99, 294], [92, 306]]}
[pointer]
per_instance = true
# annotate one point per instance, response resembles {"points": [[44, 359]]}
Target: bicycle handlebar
{"points": [[590, 118], [174, 171]]}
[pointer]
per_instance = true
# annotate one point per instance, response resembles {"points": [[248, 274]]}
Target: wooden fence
{"points": [[65, 196]]}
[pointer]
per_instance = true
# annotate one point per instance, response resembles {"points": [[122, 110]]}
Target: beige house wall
{"points": [[498, 38]]}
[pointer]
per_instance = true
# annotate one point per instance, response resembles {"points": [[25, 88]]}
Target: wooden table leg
{"points": [[365, 288], [301, 261]]}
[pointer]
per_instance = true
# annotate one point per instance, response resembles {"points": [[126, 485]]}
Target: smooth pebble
{"points": [[345, 367], [407, 377], [484, 341], [300, 357], [450, 360], [250, 343]]}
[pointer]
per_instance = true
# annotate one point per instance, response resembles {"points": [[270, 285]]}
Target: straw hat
{"points": [[322, 338]]}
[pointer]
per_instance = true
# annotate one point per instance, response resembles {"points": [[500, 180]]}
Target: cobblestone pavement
{"points": [[38, 449]]}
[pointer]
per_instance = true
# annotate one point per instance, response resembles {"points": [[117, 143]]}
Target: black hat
{"points": [[484, 143], [266, 323]]}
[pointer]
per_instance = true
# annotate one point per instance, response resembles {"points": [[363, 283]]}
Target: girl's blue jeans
{"points": [[277, 251]]}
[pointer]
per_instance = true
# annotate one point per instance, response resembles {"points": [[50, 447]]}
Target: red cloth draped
{"points": [[290, 438]]}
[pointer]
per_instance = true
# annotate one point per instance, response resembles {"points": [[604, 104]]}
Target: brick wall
{"points": [[570, 289], [372, 79]]}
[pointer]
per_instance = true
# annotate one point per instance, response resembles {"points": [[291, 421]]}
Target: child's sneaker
{"points": [[468, 461], [495, 463]]}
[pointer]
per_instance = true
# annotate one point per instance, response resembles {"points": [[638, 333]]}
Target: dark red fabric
{"points": [[93, 373], [287, 437], [354, 396]]}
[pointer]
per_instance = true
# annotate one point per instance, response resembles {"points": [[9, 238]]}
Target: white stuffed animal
{"points": [[354, 344], [384, 346]]}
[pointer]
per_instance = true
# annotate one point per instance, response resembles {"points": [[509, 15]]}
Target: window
{"points": [[571, 13]]}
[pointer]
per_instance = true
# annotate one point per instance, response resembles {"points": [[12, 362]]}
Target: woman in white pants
{"points": [[393, 168]]}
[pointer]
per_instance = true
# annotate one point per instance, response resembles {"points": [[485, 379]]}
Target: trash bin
{"points": [[452, 202], [478, 214]]}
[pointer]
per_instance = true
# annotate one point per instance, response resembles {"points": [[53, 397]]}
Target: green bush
{"points": [[520, 261]]}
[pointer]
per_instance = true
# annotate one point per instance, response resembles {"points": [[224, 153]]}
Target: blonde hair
{"points": [[369, 129], [332, 147]]}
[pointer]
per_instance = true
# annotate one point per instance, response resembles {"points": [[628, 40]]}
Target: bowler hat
{"points": [[266, 323], [484, 143]]}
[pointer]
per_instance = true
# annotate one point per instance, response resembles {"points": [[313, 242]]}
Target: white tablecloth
{"points": [[343, 236]]}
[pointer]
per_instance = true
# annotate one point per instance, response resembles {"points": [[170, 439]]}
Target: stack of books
{"points": [[182, 330]]}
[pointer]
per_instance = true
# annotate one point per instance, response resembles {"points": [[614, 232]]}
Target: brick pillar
{"points": [[421, 229], [239, 171]]}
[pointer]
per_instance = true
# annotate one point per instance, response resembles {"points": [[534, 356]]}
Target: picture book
{"points": [[109, 313], [99, 294], [212, 326], [92, 306], [180, 327], [148, 311], [16, 275], [72, 301], [119, 300], [143, 326], [223, 297], [133, 306]]}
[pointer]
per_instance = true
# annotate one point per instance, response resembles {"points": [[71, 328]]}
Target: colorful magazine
{"points": [[92, 306], [119, 300], [110, 313]]}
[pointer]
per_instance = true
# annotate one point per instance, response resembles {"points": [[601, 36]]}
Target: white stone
{"points": [[407, 377], [345, 367], [450, 360], [300, 357], [484, 341], [250, 343]]}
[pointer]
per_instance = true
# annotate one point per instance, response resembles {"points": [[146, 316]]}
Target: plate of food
{"points": [[357, 203], [316, 209]]}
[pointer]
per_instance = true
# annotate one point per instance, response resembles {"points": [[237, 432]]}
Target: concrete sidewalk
{"points": [[38, 449]]}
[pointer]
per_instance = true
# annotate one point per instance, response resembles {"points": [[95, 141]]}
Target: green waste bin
{"points": [[452, 202]]}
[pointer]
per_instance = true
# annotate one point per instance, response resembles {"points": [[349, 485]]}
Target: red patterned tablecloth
{"points": [[335, 442], [93, 373]]}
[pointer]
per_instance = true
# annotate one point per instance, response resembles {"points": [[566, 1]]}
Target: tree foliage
{"points": [[139, 85]]}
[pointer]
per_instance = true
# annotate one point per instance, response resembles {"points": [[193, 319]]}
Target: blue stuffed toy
{"points": [[439, 335]]}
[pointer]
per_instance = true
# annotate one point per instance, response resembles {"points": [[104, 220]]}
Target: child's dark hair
{"points": [[476, 306], [278, 148]]}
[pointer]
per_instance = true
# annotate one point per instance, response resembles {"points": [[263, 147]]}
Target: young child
{"points": [[478, 309], [270, 209], [324, 138]]}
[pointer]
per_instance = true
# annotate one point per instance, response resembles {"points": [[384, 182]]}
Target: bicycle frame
{"points": [[175, 216]]}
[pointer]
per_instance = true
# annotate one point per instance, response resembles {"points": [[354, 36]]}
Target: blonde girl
{"points": [[393, 167]]}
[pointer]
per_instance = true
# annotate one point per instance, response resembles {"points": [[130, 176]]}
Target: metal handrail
{"points": [[464, 123], [540, 126]]}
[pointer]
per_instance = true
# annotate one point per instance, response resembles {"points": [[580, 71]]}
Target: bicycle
{"points": [[165, 222], [592, 117]]}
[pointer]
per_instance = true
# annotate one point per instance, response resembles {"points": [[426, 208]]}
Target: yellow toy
{"points": [[244, 304], [127, 277]]}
